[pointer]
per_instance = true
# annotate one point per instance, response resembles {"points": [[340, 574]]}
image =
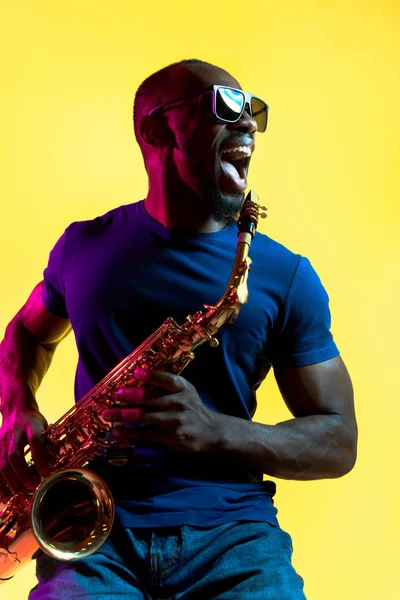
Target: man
{"points": [[193, 517]]}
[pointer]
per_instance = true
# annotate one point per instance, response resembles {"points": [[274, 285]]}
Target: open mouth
{"points": [[235, 162]]}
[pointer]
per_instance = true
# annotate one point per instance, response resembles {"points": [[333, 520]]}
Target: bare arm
{"points": [[29, 344], [25, 355], [319, 442]]}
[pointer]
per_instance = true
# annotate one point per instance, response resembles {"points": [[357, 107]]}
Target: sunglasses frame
{"points": [[247, 102], [214, 89]]}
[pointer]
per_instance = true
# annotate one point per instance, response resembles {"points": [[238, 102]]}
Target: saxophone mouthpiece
{"points": [[249, 214]]}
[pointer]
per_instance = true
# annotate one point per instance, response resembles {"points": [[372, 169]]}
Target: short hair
{"points": [[149, 93]]}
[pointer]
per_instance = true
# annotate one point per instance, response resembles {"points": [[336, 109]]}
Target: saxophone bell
{"points": [[69, 517], [72, 513]]}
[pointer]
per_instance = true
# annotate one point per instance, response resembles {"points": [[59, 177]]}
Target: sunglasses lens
{"points": [[228, 104], [260, 113]]}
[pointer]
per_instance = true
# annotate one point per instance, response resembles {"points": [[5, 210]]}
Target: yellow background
{"points": [[327, 170]]}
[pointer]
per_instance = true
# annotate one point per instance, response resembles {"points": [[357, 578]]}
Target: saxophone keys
{"points": [[185, 345]]}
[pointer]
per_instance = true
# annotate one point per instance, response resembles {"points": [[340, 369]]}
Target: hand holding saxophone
{"points": [[22, 425], [171, 412]]}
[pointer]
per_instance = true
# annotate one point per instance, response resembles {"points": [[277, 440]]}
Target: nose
{"points": [[246, 123]]}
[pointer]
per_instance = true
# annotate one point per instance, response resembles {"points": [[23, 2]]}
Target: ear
{"points": [[154, 131]]}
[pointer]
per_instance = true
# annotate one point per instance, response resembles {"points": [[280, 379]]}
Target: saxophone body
{"points": [[70, 514]]}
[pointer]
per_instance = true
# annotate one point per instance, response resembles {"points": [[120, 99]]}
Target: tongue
{"points": [[232, 173]]}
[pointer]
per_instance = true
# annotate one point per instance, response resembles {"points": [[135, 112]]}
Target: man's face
{"points": [[210, 157]]}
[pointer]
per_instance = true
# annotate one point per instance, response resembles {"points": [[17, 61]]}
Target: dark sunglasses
{"points": [[228, 105]]}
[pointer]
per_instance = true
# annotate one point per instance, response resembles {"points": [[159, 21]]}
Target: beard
{"points": [[224, 209]]}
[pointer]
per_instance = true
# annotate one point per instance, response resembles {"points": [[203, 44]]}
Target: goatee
{"points": [[223, 209]]}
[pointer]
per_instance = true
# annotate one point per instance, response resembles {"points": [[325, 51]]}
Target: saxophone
{"points": [[70, 514]]}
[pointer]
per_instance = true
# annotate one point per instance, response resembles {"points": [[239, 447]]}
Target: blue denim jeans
{"points": [[234, 561]]}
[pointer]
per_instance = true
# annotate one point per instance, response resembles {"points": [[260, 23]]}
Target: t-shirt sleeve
{"points": [[304, 336], [53, 291]]}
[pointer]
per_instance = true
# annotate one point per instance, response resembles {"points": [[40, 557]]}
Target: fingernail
{"points": [[120, 404], [121, 393], [141, 373]]}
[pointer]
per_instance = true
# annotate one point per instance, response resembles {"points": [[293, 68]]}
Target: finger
{"points": [[147, 398], [16, 458], [167, 381], [119, 415], [131, 395], [39, 455], [13, 482], [37, 446], [27, 477], [157, 419], [5, 492], [157, 428], [148, 434], [125, 413]]}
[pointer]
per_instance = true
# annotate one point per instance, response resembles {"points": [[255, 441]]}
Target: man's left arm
{"points": [[319, 442]]}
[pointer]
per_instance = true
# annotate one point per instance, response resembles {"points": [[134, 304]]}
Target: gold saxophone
{"points": [[70, 514]]}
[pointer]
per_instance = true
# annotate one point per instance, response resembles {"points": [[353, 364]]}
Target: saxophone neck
{"points": [[236, 293]]}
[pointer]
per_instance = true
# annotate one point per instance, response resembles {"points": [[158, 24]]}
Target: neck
{"points": [[177, 206]]}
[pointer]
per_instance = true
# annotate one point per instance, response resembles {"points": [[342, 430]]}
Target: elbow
{"points": [[348, 462], [347, 452]]}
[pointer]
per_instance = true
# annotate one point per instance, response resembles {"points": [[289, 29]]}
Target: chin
{"points": [[224, 206], [227, 206]]}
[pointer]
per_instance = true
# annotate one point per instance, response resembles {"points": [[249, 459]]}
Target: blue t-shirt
{"points": [[117, 278]]}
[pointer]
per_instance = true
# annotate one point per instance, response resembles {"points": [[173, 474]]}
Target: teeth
{"points": [[246, 150]]}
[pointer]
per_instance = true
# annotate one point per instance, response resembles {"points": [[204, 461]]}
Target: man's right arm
{"points": [[25, 355]]}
